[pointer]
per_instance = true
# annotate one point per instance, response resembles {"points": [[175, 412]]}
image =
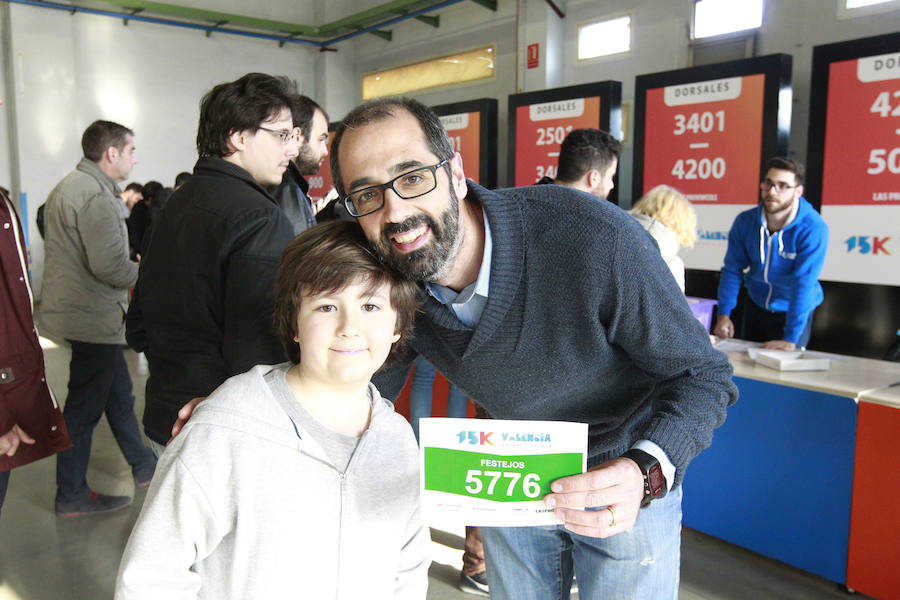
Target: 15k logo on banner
{"points": [[865, 244]]}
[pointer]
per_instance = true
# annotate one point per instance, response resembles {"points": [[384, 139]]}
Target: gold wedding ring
{"points": [[612, 513]]}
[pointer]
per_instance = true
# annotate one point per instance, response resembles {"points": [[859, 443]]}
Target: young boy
{"points": [[296, 480]]}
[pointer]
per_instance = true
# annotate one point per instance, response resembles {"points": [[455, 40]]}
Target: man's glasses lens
{"points": [[285, 135], [778, 185], [409, 185]]}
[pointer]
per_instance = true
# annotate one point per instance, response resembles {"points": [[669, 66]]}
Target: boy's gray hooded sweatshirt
{"points": [[245, 504]]}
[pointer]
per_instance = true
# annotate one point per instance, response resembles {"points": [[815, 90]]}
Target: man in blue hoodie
{"points": [[777, 250]]}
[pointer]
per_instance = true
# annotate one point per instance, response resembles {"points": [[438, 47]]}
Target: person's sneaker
{"points": [[474, 584], [94, 504], [144, 475]]}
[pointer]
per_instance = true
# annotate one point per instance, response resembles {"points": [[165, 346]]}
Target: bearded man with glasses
{"points": [[776, 250], [538, 313], [202, 306]]}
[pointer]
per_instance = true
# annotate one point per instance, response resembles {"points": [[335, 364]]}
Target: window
{"points": [[851, 9], [603, 38], [456, 68], [860, 3], [718, 17]]}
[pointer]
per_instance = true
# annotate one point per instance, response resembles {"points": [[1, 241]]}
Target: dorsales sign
{"points": [[704, 138], [541, 129], [862, 132], [861, 170], [464, 130]]}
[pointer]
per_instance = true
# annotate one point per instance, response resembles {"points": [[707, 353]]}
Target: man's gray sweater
{"points": [[583, 322]]}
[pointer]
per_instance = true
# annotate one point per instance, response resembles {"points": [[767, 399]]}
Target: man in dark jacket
{"points": [[292, 194], [588, 159], [202, 307]]}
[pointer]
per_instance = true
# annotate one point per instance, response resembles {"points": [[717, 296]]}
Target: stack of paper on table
{"points": [[790, 361]]}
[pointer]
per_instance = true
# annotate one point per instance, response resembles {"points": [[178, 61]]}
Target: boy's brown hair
{"points": [[327, 258]]}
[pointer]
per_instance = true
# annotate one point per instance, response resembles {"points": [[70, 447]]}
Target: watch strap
{"points": [[651, 470]]}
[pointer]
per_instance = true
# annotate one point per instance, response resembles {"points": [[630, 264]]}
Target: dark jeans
{"points": [[761, 325], [98, 383], [4, 483]]}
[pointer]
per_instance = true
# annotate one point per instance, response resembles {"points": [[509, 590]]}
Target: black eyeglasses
{"points": [[409, 185], [285, 135], [778, 185]]}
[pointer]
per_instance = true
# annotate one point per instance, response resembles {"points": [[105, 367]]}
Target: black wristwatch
{"points": [[654, 480]]}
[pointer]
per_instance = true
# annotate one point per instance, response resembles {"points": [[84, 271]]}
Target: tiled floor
{"points": [[44, 558]]}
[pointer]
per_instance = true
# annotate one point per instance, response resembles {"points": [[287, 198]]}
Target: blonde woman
{"points": [[670, 218]]}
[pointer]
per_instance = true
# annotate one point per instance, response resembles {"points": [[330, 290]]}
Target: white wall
{"points": [[72, 69], [6, 136]]}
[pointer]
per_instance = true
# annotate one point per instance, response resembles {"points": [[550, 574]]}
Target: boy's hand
{"points": [[184, 413], [9, 442]]}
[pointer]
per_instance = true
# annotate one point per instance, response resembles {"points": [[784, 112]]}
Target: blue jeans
{"points": [[99, 383], [537, 563], [420, 390]]}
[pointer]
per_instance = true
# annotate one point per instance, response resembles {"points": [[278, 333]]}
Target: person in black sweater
{"points": [[202, 306]]}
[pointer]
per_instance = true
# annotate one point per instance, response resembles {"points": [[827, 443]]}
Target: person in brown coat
{"points": [[31, 423]]}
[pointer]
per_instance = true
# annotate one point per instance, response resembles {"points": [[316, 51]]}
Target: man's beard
{"points": [[433, 261], [770, 210], [307, 162]]}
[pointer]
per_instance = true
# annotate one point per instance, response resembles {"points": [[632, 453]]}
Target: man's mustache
{"points": [[406, 225]]}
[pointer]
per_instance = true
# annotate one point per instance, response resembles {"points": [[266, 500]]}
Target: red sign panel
{"points": [[540, 130], [704, 138], [862, 132], [533, 56], [464, 130], [321, 183]]}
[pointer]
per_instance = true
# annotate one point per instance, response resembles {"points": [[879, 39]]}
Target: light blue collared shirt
{"points": [[469, 303]]}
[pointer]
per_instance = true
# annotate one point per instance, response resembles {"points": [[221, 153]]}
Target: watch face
{"points": [[657, 480]]}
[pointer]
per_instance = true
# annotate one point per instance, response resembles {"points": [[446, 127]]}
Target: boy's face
{"points": [[345, 336]]}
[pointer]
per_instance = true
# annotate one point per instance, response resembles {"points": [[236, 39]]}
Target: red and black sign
{"points": [[472, 127], [321, 183], [707, 131], [540, 121]]}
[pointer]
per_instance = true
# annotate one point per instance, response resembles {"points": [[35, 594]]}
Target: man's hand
{"points": [[184, 413], [9, 442], [724, 327], [617, 484], [779, 345]]}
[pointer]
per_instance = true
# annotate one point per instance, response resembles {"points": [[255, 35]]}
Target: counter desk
{"points": [[779, 476]]}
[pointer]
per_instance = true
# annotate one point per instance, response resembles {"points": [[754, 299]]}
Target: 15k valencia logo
{"points": [[868, 244]]}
